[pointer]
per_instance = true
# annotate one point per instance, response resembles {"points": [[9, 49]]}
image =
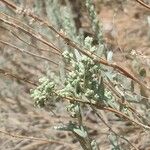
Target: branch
{"points": [[114, 131], [143, 4], [27, 52], [126, 117], [101, 107], [29, 44], [29, 31], [37, 139], [77, 46], [6, 73]]}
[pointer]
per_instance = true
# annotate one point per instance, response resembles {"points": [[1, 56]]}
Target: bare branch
{"points": [[76, 46], [113, 130], [37, 139], [99, 106]]}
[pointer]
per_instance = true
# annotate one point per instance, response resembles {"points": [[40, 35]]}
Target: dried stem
{"points": [[27, 52], [29, 44], [113, 130], [143, 4], [37, 139], [6, 73], [75, 45]]}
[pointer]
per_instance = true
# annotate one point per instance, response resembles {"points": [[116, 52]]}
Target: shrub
{"points": [[87, 77]]}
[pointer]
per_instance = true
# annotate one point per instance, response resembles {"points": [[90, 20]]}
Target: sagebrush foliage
{"points": [[82, 76], [85, 79]]}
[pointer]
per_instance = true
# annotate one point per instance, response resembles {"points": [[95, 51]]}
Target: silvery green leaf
{"points": [[68, 127], [135, 64], [113, 104], [100, 50], [80, 131]]}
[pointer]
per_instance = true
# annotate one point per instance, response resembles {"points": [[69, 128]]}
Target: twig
{"points": [[6, 73], [126, 117], [29, 44], [122, 101], [36, 139], [86, 52], [143, 4], [29, 31], [113, 130], [27, 52], [75, 45], [84, 102], [32, 54], [99, 106]]}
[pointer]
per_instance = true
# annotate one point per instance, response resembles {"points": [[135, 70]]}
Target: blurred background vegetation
{"points": [[126, 34]]}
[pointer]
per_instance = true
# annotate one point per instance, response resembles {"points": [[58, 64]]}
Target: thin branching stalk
{"points": [[90, 80], [27, 52], [143, 4], [6, 73], [30, 44], [26, 29], [79, 48], [37, 139]]}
